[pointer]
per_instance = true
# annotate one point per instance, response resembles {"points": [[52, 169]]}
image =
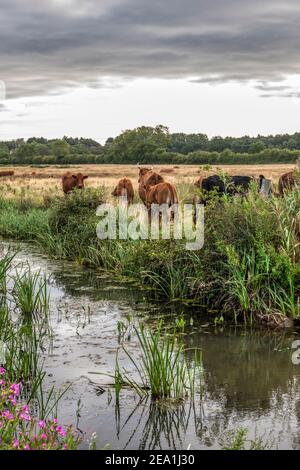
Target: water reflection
{"points": [[157, 425]]}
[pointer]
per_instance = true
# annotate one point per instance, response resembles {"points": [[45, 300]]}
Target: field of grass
{"points": [[47, 180]]}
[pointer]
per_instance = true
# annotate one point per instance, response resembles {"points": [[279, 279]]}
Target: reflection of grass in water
{"points": [[166, 424], [163, 370], [159, 425]]}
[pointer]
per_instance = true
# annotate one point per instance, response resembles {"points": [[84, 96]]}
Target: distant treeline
{"points": [[152, 145]]}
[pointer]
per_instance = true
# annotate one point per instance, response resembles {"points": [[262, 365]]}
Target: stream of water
{"points": [[250, 379]]}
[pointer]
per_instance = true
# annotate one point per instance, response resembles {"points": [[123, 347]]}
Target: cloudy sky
{"points": [[96, 67]]}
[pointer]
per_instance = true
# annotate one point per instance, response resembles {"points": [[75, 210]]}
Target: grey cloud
{"points": [[271, 88], [50, 47], [290, 94]]}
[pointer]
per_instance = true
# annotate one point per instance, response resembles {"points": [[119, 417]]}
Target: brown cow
{"points": [[148, 177], [287, 182], [70, 181], [124, 189], [162, 193], [6, 173]]}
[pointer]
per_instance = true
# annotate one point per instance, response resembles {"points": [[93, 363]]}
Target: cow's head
{"points": [[79, 179], [143, 172], [118, 190]]}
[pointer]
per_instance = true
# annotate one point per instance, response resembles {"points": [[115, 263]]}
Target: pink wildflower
{"points": [[60, 431], [2, 371], [27, 447], [15, 388], [25, 417], [7, 414], [12, 400], [16, 443], [42, 424], [44, 436]]}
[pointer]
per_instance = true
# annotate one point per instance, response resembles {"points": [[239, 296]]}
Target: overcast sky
{"points": [[96, 67]]}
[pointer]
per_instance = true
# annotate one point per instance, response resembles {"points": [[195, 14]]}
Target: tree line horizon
{"points": [[155, 145]]}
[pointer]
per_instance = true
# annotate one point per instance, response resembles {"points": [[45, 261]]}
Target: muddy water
{"points": [[250, 380]]}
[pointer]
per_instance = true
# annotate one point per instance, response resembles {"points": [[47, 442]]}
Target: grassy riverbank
{"points": [[248, 268]]}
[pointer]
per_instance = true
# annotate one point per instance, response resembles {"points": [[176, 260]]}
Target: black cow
{"points": [[230, 185]]}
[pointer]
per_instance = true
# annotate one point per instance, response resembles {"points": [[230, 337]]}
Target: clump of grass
{"points": [[5, 264], [163, 370], [261, 281], [22, 353], [239, 441], [31, 295], [24, 325]]}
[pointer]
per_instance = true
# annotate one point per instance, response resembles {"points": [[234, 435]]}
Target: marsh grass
{"points": [[171, 281], [31, 295], [5, 264], [239, 441], [24, 325], [163, 370], [22, 354]]}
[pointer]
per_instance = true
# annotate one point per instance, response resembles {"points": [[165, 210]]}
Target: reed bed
{"points": [[247, 270]]}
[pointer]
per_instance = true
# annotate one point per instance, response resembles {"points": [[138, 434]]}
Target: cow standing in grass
{"points": [[71, 181], [124, 189], [148, 177], [287, 182], [162, 194], [4, 174], [229, 185]]}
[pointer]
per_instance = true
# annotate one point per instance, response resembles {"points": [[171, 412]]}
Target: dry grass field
{"points": [[47, 180]]}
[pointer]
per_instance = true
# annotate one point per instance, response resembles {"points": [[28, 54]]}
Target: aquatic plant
{"points": [[163, 369], [30, 295], [239, 441], [5, 263]]}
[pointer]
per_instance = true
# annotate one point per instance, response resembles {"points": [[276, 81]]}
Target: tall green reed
{"points": [[163, 369]]}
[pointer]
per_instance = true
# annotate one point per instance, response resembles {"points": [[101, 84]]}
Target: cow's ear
{"points": [[85, 177], [74, 177]]}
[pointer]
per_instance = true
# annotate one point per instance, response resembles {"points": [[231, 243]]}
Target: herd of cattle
{"points": [[153, 189]]}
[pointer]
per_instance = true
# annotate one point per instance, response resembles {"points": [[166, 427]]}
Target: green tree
{"points": [[138, 145], [60, 149], [25, 152]]}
